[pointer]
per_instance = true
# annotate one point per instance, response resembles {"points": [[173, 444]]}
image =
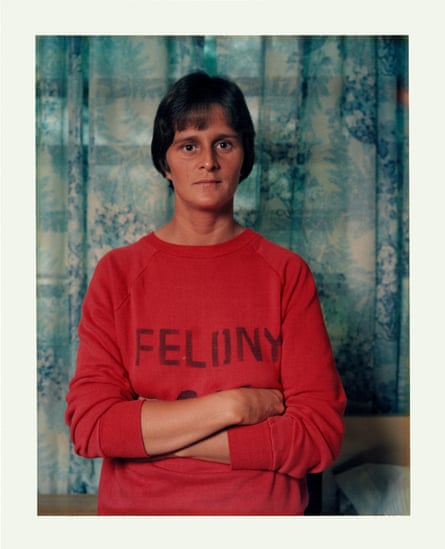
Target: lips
{"points": [[207, 182]]}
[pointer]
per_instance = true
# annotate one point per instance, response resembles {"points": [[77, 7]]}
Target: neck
{"points": [[199, 230]]}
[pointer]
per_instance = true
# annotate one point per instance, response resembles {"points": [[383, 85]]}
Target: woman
{"points": [[205, 376]]}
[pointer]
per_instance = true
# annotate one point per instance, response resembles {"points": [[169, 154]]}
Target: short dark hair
{"points": [[187, 103]]}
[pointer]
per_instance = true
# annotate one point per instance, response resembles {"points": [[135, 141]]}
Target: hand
{"points": [[253, 405]]}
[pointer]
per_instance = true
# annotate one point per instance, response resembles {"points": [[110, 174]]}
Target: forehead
{"points": [[200, 118]]}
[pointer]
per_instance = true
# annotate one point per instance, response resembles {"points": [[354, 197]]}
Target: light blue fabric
{"points": [[330, 182]]}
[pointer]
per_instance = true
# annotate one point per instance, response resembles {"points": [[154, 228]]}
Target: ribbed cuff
{"points": [[120, 431], [251, 447]]}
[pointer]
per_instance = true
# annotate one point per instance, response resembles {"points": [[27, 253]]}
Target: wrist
{"points": [[232, 405]]}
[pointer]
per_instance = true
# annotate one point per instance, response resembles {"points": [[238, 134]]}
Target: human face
{"points": [[205, 164]]}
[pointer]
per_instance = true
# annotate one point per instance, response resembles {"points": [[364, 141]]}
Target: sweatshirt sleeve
{"points": [[102, 411], [307, 437]]}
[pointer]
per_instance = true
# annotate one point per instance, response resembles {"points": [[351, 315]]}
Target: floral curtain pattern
{"points": [[330, 182]]}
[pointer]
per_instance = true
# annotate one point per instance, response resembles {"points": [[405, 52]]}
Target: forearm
{"points": [[213, 448], [170, 426]]}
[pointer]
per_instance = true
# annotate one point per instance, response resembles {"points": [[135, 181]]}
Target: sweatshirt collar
{"points": [[213, 250]]}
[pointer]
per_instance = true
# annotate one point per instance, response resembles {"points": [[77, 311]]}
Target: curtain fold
{"points": [[330, 182]]}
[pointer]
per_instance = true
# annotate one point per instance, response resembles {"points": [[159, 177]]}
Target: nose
{"points": [[209, 159]]}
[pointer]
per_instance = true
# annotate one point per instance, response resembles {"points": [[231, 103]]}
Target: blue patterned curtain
{"points": [[330, 182]]}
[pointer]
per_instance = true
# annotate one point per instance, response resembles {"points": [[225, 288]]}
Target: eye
{"points": [[224, 145], [188, 147]]}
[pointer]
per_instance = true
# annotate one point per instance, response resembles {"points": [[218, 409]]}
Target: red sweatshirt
{"points": [[168, 322]]}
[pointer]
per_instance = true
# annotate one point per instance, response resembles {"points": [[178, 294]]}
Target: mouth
{"points": [[207, 182]]}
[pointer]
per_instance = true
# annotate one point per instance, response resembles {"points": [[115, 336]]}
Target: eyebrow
{"points": [[195, 136]]}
